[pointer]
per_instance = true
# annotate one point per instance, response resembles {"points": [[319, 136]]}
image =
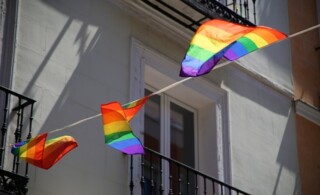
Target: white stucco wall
{"points": [[262, 135], [71, 56], [272, 62]]}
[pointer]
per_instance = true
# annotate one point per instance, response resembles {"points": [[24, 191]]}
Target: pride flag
{"points": [[117, 130], [216, 38], [44, 153], [131, 108]]}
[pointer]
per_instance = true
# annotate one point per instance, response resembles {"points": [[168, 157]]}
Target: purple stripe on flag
{"points": [[136, 149]]}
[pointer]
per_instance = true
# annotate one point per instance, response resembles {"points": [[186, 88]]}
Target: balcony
{"points": [[163, 175], [192, 13], [16, 120]]}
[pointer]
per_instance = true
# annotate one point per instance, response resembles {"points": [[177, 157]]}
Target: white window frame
{"points": [[151, 67], [165, 137]]}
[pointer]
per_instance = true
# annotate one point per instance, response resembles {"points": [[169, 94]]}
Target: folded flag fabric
{"points": [[217, 38], [131, 108], [258, 38], [44, 153], [117, 131]]}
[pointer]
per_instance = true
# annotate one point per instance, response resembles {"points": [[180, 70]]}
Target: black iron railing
{"points": [[245, 8], [13, 174], [238, 11], [160, 174]]}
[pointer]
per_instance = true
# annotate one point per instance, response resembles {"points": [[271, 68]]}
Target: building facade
{"points": [[238, 124], [306, 66]]}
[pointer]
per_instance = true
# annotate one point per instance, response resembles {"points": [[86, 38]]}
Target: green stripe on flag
{"points": [[248, 44], [199, 53], [116, 136]]}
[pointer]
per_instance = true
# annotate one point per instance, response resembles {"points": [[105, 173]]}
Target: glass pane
{"points": [[181, 147], [152, 122], [152, 178], [182, 134]]}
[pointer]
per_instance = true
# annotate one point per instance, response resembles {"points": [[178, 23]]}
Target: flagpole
{"points": [[183, 80]]}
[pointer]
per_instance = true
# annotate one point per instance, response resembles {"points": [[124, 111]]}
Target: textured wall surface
{"points": [[263, 135], [306, 74], [71, 56], [272, 62]]}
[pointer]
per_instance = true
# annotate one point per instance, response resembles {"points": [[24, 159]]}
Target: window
{"points": [[175, 140], [170, 129], [195, 112]]}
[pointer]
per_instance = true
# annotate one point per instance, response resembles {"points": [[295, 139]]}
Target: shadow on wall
{"points": [[88, 72], [88, 80], [251, 89], [273, 61], [276, 116], [288, 158]]}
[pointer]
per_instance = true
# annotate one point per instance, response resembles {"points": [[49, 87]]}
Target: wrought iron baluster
{"points": [[254, 11], [19, 137], [131, 185], [179, 181], [151, 172], [142, 181], [29, 134], [213, 187], [246, 9], [204, 186], [4, 128], [17, 132], [248, 15], [221, 188], [170, 180], [240, 7], [188, 181], [161, 189], [196, 187]]}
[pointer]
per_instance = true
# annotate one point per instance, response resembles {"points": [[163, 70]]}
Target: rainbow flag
{"points": [[131, 108], [216, 39], [117, 131], [44, 153]]}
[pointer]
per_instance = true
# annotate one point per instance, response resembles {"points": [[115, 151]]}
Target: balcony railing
{"points": [[16, 126], [237, 11], [192, 13], [244, 8], [163, 175]]}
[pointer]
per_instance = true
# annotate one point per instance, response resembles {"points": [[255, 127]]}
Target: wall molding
{"points": [[307, 111]]}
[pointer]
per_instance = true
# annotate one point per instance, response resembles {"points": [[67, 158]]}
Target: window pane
{"points": [[181, 146], [152, 122], [152, 140], [182, 134]]}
